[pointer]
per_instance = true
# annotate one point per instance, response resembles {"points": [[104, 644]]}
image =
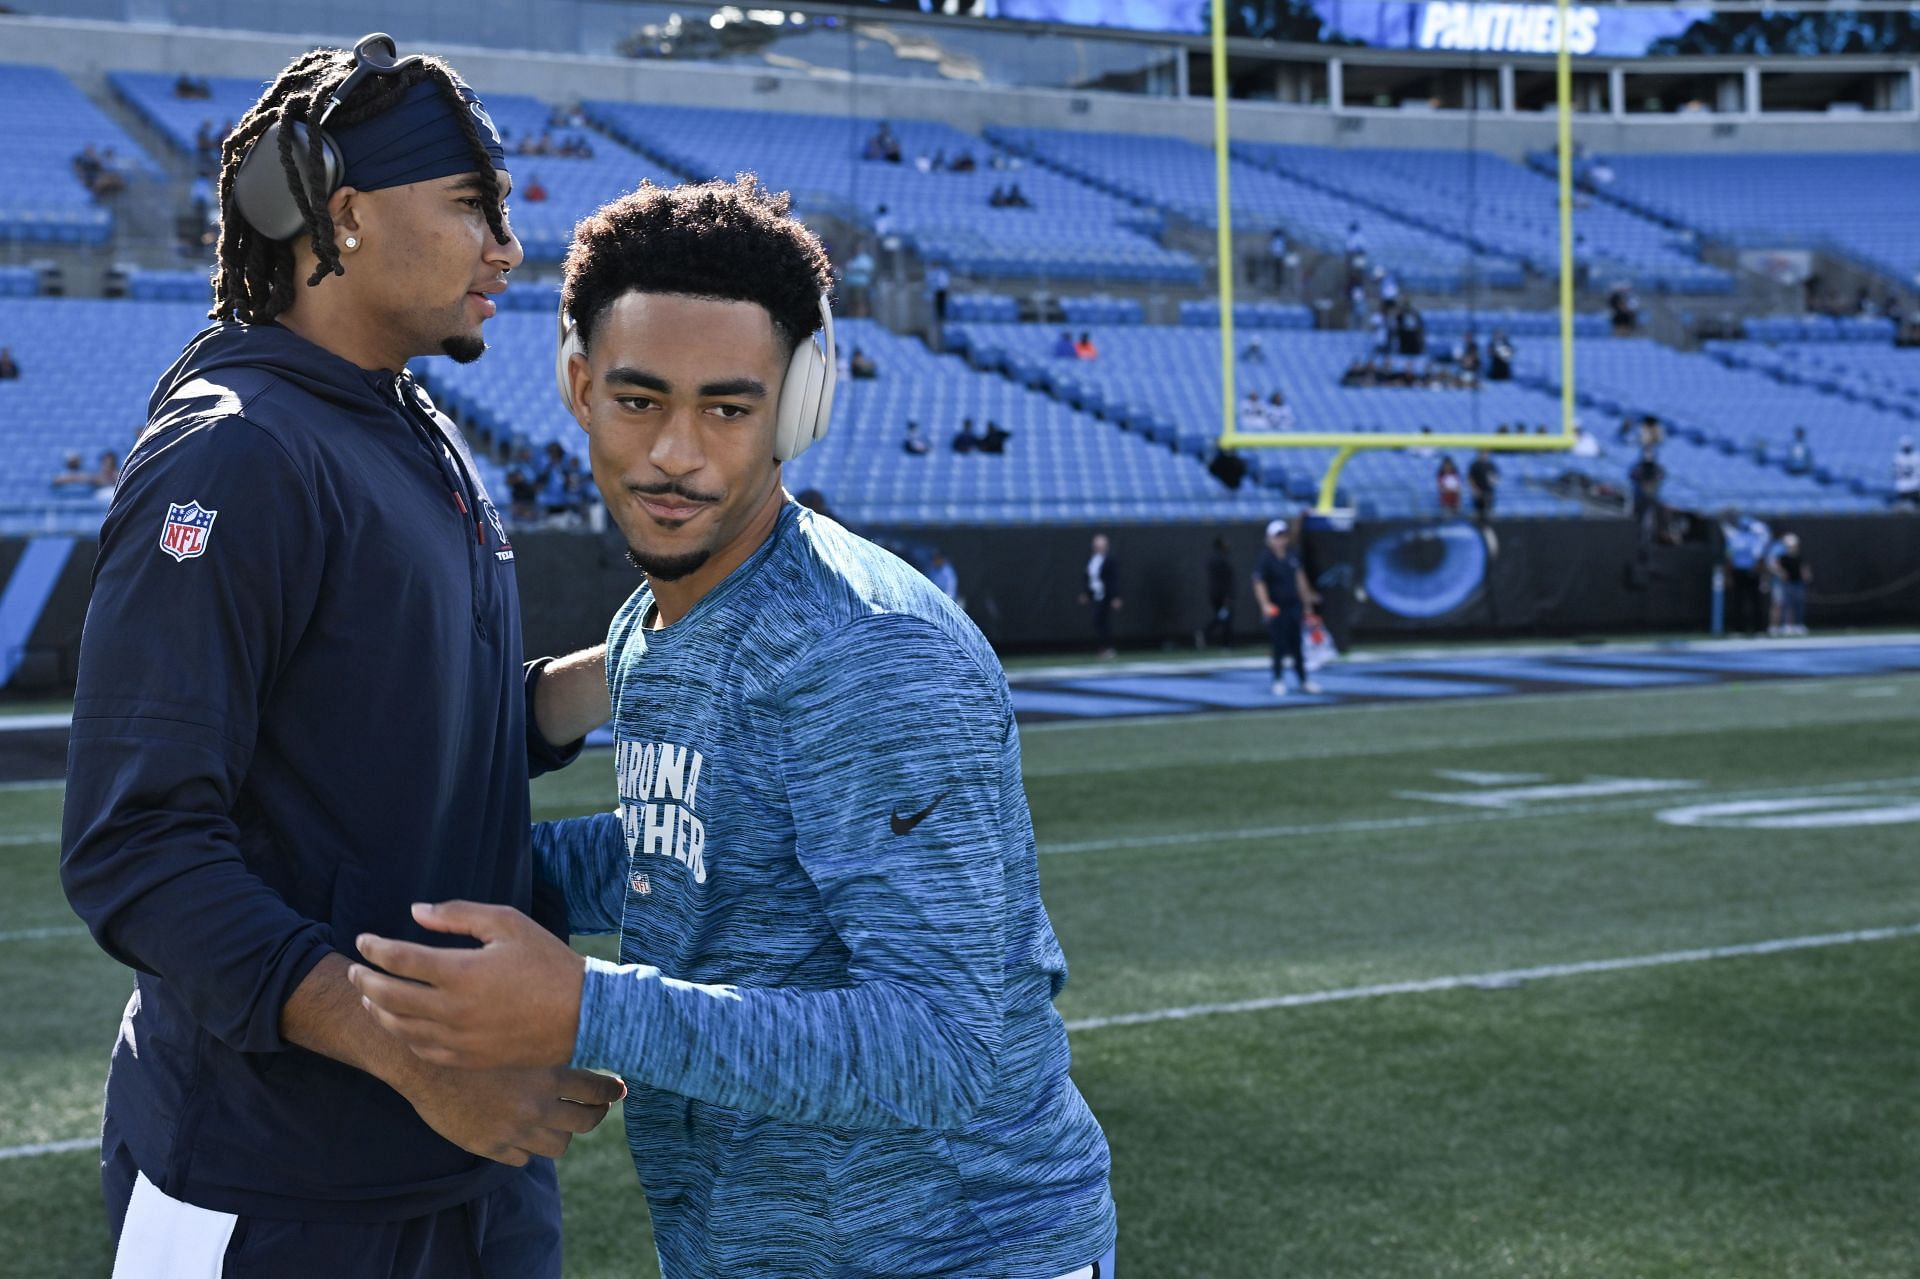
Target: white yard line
{"points": [[1421, 821], [31, 723], [49, 1148], [1498, 979], [30, 837], [42, 934], [1431, 985]]}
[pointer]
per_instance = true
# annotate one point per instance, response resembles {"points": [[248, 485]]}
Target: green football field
{"points": [[1450, 988]]}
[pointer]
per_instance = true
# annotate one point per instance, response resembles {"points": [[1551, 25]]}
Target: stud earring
{"points": [[353, 242]]}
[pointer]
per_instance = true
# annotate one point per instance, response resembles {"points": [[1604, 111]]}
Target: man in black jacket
{"points": [[1102, 593], [301, 708]]}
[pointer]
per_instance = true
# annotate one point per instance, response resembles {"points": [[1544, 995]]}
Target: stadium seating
{"points": [[1499, 208], [1164, 382], [1859, 205], [63, 404], [575, 185], [1174, 176], [180, 120], [1061, 464], [1743, 415], [47, 122], [1070, 233], [19, 282]]}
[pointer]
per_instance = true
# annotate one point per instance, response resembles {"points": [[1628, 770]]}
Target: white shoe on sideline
{"points": [[1279, 688], [1312, 686]]}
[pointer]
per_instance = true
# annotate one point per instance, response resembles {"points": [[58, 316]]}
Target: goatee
{"points": [[463, 349], [667, 568]]}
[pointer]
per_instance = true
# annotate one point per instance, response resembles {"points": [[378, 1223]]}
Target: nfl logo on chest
{"points": [[187, 530]]}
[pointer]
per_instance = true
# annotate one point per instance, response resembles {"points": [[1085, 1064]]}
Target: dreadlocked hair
{"points": [[254, 276]]}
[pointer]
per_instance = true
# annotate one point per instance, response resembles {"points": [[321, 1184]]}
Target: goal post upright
{"points": [[1347, 444]]}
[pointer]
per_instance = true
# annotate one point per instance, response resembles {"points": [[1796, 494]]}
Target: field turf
{"points": [[1696, 1115]]}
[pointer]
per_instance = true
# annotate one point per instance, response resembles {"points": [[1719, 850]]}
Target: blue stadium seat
{"points": [[47, 122]]}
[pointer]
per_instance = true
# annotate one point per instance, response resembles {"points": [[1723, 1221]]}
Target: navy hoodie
{"points": [[301, 708]]}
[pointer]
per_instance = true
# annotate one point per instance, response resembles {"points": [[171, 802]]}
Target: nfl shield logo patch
{"points": [[187, 530]]}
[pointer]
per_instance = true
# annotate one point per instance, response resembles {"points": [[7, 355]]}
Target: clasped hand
{"points": [[512, 1003]]}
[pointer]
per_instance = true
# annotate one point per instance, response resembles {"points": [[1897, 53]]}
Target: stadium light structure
{"points": [[1346, 444]]}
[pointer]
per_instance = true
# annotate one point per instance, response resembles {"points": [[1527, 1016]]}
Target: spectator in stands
{"points": [[995, 439], [9, 368], [882, 225], [941, 573], [860, 366], [1906, 475], [535, 191], [1468, 357], [1447, 478], [1585, 442], [1483, 477], [916, 444], [939, 281], [1253, 414], [1386, 288], [1016, 198], [1356, 244], [523, 499], [1280, 586], [1791, 576], [1745, 541], [557, 497], [858, 278], [1652, 434], [107, 478], [997, 198], [1218, 631], [1102, 594], [1227, 466], [964, 439], [1411, 328], [1799, 453], [206, 149], [1381, 325], [1500, 358], [87, 166], [963, 163], [1646, 476], [814, 500], [1279, 412], [1064, 347], [1277, 249], [1422, 450], [1254, 352], [1624, 309], [882, 145], [72, 477], [1084, 349]]}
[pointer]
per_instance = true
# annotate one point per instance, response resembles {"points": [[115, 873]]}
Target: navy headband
{"points": [[416, 140]]}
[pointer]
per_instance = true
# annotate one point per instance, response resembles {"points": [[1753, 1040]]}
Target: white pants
{"points": [[164, 1238]]}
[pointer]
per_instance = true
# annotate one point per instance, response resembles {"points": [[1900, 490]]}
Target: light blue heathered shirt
{"points": [[834, 1007]]}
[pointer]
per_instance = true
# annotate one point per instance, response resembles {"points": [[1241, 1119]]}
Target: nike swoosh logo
{"points": [[904, 825]]}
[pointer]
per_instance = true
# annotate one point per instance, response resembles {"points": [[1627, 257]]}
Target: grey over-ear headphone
{"points": [[260, 186], [806, 397]]}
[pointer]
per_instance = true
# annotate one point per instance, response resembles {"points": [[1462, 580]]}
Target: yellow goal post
{"points": [[1345, 444]]}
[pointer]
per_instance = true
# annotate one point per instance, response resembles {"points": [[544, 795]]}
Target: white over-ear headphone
{"points": [[806, 397]]}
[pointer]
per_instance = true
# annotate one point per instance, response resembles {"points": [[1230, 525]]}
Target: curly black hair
{"points": [[253, 278], [733, 241]]}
